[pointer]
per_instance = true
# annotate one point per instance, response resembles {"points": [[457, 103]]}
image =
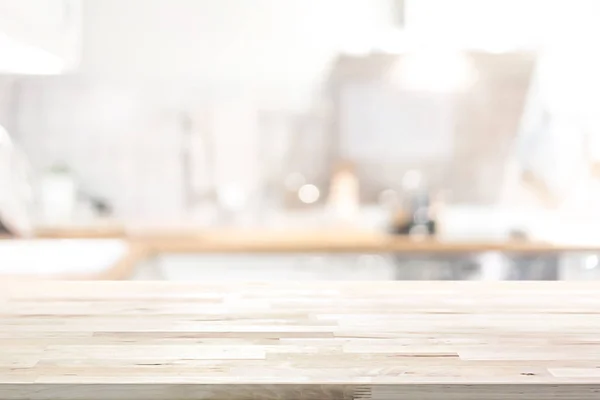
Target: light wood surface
{"points": [[338, 242], [95, 231], [186, 240], [378, 340]]}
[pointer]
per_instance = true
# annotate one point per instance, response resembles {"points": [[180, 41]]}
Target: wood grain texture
{"points": [[318, 340]]}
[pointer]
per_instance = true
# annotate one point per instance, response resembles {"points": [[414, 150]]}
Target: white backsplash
{"points": [[126, 144]]}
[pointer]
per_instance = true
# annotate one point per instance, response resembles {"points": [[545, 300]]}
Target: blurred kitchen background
{"points": [[288, 139]]}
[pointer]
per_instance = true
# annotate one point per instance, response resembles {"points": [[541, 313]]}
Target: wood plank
{"points": [[299, 340]]}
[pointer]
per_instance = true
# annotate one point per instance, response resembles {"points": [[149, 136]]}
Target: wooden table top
{"points": [[317, 340]]}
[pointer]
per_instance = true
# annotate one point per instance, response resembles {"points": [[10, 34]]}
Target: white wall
{"points": [[225, 61], [282, 47], [5, 99]]}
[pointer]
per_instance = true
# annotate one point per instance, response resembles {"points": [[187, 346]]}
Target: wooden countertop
{"points": [[298, 242], [147, 243], [335, 241], [331, 239], [318, 340]]}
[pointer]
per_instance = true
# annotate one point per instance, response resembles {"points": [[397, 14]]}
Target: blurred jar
{"points": [[416, 215], [58, 195]]}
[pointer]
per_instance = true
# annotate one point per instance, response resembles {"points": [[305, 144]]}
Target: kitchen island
{"points": [[303, 340]]}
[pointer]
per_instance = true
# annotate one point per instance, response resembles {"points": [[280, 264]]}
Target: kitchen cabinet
{"points": [[366, 267], [39, 36], [294, 267]]}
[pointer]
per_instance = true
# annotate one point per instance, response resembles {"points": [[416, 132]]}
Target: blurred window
{"points": [[498, 25]]}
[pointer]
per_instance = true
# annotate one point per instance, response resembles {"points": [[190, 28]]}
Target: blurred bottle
{"points": [[58, 195], [343, 199], [416, 216]]}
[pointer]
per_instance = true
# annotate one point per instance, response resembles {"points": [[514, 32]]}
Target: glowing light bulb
{"points": [[309, 194]]}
